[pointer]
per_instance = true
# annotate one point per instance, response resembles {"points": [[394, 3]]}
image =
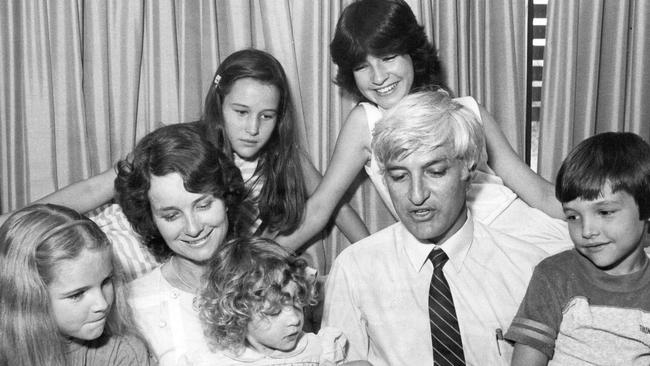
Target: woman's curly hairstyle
{"points": [[246, 277], [378, 28], [182, 149]]}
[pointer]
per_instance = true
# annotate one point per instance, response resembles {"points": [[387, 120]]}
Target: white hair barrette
{"points": [[216, 80]]}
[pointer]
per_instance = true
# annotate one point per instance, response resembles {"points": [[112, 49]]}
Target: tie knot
{"points": [[438, 257]]}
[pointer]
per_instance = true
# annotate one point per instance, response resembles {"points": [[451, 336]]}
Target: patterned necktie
{"points": [[445, 334]]}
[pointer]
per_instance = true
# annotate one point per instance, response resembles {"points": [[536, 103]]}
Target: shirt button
{"points": [[175, 295], [162, 324]]}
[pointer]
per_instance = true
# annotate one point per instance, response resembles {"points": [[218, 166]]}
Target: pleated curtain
{"points": [[82, 81], [595, 76]]}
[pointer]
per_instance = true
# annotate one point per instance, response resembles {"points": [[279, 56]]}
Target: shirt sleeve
{"points": [[538, 320], [341, 312]]}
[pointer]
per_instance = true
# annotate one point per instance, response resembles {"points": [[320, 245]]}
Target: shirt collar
{"points": [[456, 247], [250, 355]]}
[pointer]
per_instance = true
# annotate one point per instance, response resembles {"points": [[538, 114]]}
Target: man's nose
{"points": [[418, 193]]}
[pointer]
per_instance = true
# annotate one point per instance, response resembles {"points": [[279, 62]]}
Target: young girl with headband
{"points": [[248, 109], [62, 302]]}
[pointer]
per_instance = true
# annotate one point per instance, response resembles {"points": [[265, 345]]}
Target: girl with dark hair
{"points": [[248, 112], [373, 33], [62, 302], [382, 55]]}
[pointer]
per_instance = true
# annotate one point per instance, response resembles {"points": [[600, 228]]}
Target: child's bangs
{"points": [[588, 188], [275, 299], [272, 292], [619, 159], [588, 180]]}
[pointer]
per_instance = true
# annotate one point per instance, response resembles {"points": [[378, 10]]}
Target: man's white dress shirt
{"points": [[377, 293]]}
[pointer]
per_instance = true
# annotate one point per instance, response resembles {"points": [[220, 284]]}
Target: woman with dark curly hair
{"points": [[383, 54], [252, 309], [182, 195]]}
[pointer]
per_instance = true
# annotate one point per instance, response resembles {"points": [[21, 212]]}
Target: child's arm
{"points": [[351, 153], [524, 355], [85, 195], [350, 224], [532, 188], [82, 196], [347, 219]]}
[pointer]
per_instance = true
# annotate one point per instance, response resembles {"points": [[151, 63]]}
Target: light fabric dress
{"points": [[167, 318]]}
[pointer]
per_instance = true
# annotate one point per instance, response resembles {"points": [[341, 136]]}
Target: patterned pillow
{"points": [[134, 258]]}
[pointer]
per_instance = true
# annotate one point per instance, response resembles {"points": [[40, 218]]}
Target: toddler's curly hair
{"points": [[246, 276]]}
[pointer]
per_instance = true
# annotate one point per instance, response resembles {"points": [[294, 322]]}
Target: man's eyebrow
{"points": [[392, 166], [436, 161]]}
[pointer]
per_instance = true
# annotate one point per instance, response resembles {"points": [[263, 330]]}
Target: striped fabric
{"points": [[131, 254], [249, 212], [445, 334]]}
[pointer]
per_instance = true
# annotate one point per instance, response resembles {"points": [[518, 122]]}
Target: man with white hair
{"points": [[436, 288]]}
